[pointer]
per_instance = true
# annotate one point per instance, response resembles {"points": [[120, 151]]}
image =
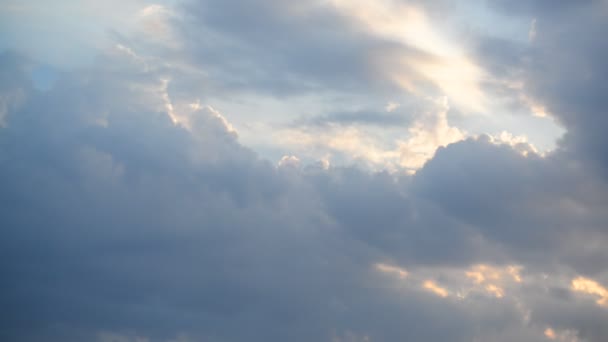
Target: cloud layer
{"points": [[132, 209]]}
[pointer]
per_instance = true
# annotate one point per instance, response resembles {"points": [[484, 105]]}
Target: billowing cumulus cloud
{"points": [[320, 171]]}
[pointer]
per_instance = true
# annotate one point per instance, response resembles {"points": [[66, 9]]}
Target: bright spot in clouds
{"points": [[432, 286], [550, 334], [445, 64], [591, 287]]}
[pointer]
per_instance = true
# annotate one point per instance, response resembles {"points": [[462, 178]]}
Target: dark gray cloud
{"points": [[540, 7], [514, 201], [567, 72], [270, 46]]}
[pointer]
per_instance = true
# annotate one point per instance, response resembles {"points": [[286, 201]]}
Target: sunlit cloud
{"points": [[591, 287], [561, 335], [493, 280], [390, 269], [446, 64], [289, 161], [495, 290], [433, 287], [351, 142], [426, 135], [428, 132]]}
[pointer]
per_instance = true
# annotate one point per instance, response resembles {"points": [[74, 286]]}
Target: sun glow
{"points": [[430, 54]]}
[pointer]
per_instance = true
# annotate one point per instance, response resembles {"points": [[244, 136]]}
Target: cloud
{"points": [[427, 134], [591, 287], [436, 289], [142, 208], [570, 87], [132, 211], [444, 64], [398, 271], [364, 136]]}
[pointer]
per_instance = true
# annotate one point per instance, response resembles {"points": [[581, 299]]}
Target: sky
{"points": [[316, 170]]}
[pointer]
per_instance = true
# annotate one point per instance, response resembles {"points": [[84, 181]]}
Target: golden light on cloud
{"points": [[561, 335], [476, 276], [395, 270], [426, 135], [440, 60], [550, 334], [457, 77], [514, 272], [434, 288], [537, 108], [591, 287], [481, 273], [498, 292], [351, 141], [494, 279]]}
